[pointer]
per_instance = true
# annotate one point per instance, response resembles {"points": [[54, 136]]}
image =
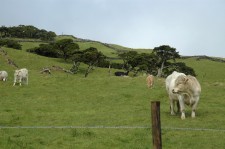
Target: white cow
{"points": [[21, 75], [185, 89], [3, 75]]}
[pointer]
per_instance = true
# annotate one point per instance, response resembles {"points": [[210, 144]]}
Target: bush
{"points": [[180, 67], [117, 65], [47, 50], [10, 44]]}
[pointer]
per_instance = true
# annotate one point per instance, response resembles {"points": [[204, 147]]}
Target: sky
{"points": [[193, 27]]}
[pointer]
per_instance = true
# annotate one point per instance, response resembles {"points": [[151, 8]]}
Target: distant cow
{"points": [[3, 75], [150, 81], [21, 75], [119, 73], [185, 89]]}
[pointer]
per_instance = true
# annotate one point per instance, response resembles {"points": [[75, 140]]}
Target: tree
{"points": [[92, 57], [77, 59], [129, 60], [139, 62], [45, 50], [180, 67], [10, 44], [164, 54], [66, 48], [26, 31], [148, 63]]}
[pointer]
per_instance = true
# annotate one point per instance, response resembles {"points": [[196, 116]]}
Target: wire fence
{"points": [[110, 127]]}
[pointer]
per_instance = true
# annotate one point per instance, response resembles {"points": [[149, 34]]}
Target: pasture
{"points": [[103, 111]]}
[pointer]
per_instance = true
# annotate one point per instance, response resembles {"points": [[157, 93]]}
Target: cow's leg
{"points": [[172, 107], [27, 79], [182, 108], [148, 84], [194, 106], [178, 107], [20, 81], [14, 83]]}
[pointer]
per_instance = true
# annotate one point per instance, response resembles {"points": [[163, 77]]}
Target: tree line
{"points": [[161, 62], [26, 31]]}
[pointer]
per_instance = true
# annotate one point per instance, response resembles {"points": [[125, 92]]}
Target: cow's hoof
{"points": [[182, 116]]}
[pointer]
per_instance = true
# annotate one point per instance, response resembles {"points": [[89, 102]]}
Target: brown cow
{"points": [[150, 81]]}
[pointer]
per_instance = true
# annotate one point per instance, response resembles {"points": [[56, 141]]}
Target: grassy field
{"points": [[113, 112]]}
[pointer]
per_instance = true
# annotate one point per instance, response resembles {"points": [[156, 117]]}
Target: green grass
{"points": [[105, 50], [29, 45], [101, 99]]}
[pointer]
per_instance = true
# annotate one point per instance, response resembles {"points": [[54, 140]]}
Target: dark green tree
{"points": [[180, 67], [26, 31], [164, 54], [66, 48], [92, 57], [4, 31], [136, 62], [77, 58], [129, 60], [148, 63], [45, 50], [10, 44]]}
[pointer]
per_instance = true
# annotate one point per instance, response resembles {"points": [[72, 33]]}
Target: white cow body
{"points": [[20, 76], [185, 89], [3, 75]]}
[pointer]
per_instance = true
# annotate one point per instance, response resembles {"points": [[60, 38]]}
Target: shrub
{"points": [[10, 44], [45, 50]]}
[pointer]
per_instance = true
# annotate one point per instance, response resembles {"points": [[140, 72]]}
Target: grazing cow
{"points": [[183, 89], [3, 75], [150, 81], [119, 73], [21, 75]]}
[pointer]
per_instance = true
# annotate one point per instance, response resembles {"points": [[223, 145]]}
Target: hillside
{"points": [[109, 50], [101, 111]]}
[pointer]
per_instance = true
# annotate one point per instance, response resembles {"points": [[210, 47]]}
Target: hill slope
{"points": [[62, 110], [110, 50]]}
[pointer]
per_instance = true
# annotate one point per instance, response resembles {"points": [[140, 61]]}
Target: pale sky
{"points": [[193, 27]]}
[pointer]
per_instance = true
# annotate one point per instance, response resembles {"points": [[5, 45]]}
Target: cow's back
{"points": [[22, 72], [3, 75], [194, 85]]}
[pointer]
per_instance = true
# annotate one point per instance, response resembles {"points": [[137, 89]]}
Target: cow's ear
{"points": [[185, 81]]}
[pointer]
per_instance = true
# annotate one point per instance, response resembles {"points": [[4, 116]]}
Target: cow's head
{"points": [[180, 85], [17, 73]]}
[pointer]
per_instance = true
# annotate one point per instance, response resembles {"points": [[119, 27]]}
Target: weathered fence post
{"points": [[156, 125]]}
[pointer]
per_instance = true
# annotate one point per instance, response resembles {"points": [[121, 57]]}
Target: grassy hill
{"points": [[101, 111], [110, 50]]}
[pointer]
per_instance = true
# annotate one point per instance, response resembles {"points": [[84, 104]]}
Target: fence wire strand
{"points": [[110, 127]]}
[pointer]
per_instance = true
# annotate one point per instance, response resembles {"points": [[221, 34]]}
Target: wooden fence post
{"points": [[156, 125]]}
